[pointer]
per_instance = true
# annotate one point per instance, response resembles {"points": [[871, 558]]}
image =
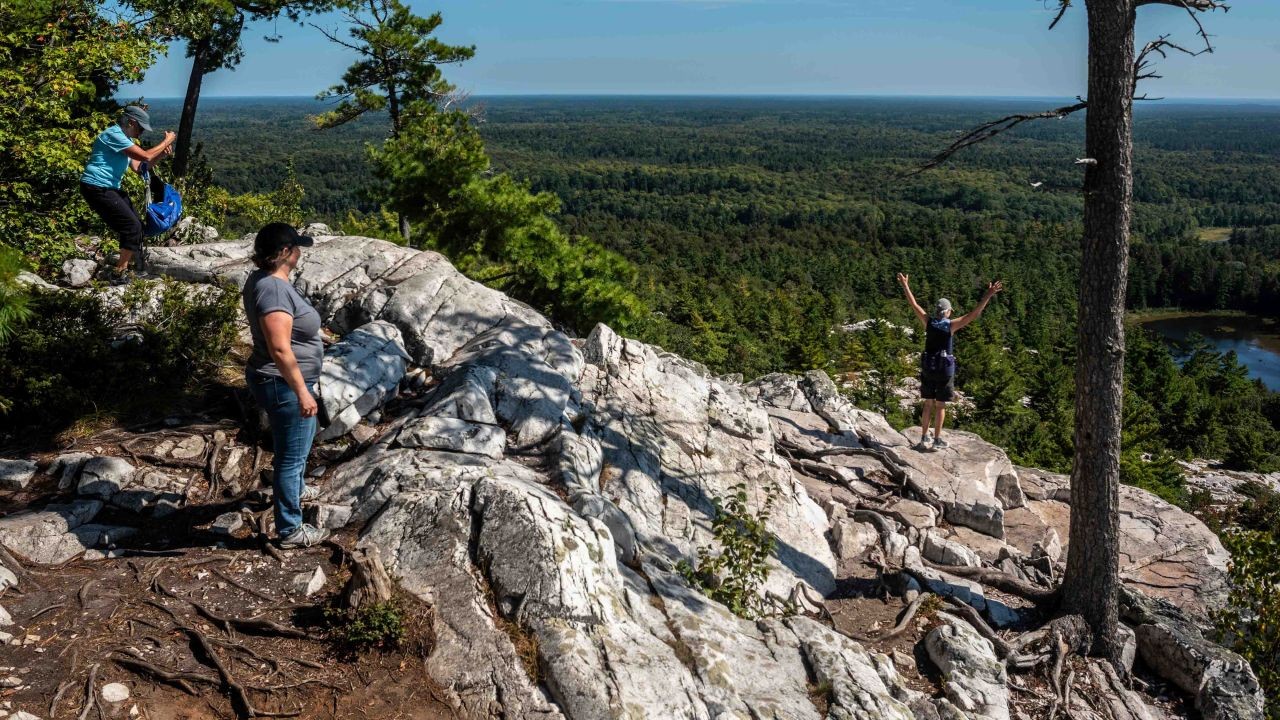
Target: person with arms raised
{"points": [[938, 362], [114, 152]]}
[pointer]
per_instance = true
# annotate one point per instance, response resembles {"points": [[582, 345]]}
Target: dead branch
{"points": [[988, 130], [895, 470]]}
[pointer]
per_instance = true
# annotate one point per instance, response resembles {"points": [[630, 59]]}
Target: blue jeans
{"points": [[291, 436]]}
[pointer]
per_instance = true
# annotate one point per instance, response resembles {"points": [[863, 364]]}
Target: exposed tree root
{"points": [[1003, 649], [1000, 581], [259, 626], [90, 693], [903, 625], [252, 591], [63, 687], [265, 539], [240, 701]]}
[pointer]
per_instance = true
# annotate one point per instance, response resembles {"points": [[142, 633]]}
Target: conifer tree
{"points": [[398, 70]]}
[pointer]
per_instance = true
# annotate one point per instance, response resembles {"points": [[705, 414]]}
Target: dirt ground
{"points": [[163, 610]]}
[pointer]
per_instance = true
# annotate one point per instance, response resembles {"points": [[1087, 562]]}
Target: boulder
{"points": [[16, 474], [47, 536], [104, 476], [360, 373], [66, 468], [309, 583], [1220, 682], [77, 272], [973, 678], [7, 579]]}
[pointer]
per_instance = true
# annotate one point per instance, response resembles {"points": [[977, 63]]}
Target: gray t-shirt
{"points": [[265, 293]]}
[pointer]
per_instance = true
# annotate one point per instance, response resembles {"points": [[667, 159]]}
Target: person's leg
{"points": [[292, 436], [926, 417], [940, 410], [129, 229]]}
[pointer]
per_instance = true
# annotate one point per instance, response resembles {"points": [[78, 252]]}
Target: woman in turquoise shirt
{"points": [[114, 152]]}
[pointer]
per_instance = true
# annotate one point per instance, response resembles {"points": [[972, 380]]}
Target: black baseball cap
{"points": [[277, 236]]}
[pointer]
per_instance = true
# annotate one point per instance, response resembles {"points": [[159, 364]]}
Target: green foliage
{"points": [[371, 626], [1250, 623], [14, 299], [882, 355], [60, 64], [65, 361], [399, 66], [735, 575], [380, 224], [246, 212]]}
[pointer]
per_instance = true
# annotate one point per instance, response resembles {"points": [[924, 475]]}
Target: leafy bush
{"points": [[376, 625], [1250, 624], [67, 360], [14, 300], [735, 575], [60, 64], [236, 214]]}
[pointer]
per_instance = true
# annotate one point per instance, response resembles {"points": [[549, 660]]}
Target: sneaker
{"points": [[112, 276], [310, 493], [921, 446], [304, 537], [940, 444]]}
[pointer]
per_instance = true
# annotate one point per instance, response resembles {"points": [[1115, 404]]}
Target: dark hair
{"points": [[269, 263]]}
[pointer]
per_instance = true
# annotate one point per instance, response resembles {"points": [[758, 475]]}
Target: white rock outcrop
{"points": [[547, 488]]}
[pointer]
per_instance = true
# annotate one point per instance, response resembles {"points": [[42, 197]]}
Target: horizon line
{"points": [[784, 96]]}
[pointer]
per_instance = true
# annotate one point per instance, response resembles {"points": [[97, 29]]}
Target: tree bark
{"points": [[1091, 584], [393, 105], [199, 68]]}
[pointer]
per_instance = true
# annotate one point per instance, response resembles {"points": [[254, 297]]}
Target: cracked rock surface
{"points": [[542, 495]]}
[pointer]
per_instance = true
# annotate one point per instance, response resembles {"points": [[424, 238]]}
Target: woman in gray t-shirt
{"points": [[284, 366]]}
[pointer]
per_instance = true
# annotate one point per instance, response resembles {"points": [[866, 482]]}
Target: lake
{"points": [[1255, 340]]}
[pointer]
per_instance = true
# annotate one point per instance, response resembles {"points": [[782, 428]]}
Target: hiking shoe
{"points": [[940, 444], [304, 537], [922, 446], [310, 493], [112, 276]]}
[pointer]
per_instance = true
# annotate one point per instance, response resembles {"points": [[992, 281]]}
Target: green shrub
{"points": [[735, 575], [66, 361], [1250, 624], [377, 625]]}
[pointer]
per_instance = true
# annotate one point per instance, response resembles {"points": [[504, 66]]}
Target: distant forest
{"points": [[757, 226]]}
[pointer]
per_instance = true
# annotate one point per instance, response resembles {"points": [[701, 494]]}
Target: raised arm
{"points": [[959, 323], [905, 282], [137, 154]]}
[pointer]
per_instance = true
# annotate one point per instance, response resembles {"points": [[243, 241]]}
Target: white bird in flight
{"points": [[1037, 184]]}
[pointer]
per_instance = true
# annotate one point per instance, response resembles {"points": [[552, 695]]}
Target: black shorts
{"points": [[113, 206], [937, 387]]}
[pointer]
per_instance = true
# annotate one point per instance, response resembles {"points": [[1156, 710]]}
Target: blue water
{"points": [[1255, 340]]}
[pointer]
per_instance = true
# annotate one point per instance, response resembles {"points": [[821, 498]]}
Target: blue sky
{"points": [[837, 47]]}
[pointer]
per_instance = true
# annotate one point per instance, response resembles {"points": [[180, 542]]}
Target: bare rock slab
{"points": [[16, 474], [973, 678], [45, 537], [454, 435]]}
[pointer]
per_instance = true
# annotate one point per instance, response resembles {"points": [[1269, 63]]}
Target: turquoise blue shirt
{"points": [[107, 161]]}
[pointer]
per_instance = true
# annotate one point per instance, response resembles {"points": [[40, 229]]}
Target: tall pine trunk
{"points": [[1092, 577], [199, 68], [393, 105]]}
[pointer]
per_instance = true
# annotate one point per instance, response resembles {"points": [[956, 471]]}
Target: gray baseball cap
{"points": [[943, 307], [137, 114]]}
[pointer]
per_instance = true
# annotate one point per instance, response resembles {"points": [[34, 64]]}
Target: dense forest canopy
{"points": [[758, 225]]}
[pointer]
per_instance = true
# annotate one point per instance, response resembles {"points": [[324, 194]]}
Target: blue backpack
{"points": [[163, 214]]}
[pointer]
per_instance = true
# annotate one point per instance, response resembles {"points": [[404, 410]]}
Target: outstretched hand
{"points": [[903, 280], [994, 287]]}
